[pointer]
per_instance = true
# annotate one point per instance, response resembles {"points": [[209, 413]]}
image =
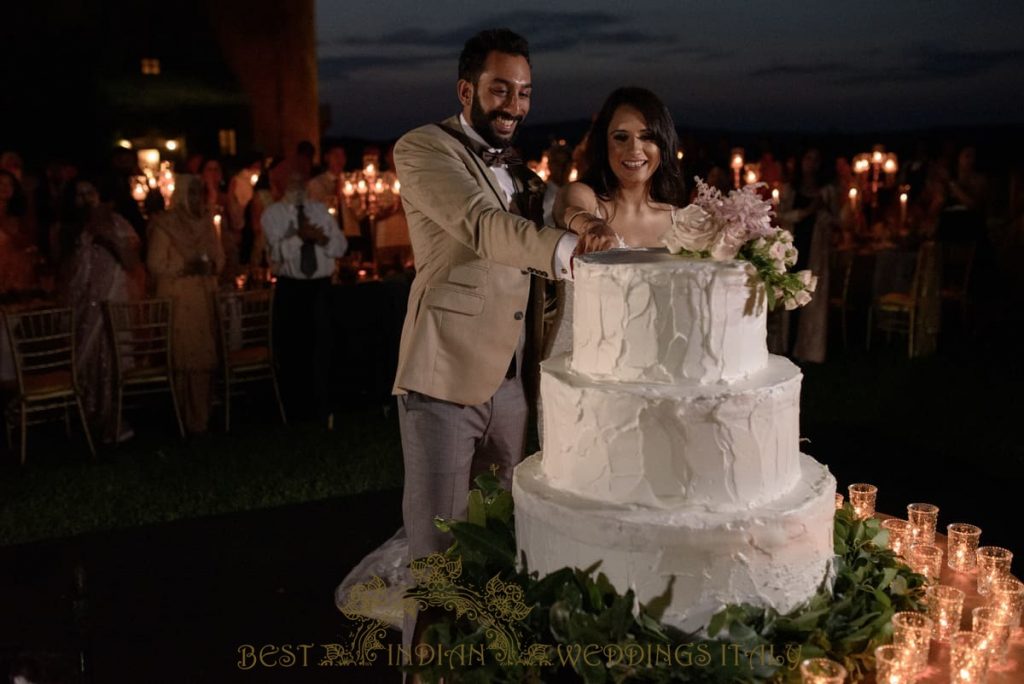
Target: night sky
{"points": [[389, 65]]}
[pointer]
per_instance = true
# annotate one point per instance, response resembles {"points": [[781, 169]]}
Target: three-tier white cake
{"points": [[671, 444]]}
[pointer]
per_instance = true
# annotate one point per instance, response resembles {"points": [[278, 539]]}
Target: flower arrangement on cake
{"points": [[739, 226]]}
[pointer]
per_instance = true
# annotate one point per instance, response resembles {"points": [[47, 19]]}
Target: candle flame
{"points": [[397, 187], [903, 198], [253, 178], [853, 193]]}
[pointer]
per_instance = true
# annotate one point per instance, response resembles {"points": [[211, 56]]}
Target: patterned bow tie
{"points": [[505, 157]]}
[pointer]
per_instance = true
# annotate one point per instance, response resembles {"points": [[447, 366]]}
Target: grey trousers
{"points": [[445, 446]]}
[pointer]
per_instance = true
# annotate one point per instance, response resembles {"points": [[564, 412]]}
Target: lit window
{"points": [[228, 145], [150, 66]]}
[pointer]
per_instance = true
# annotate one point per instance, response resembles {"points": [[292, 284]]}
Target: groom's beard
{"points": [[482, 124]]}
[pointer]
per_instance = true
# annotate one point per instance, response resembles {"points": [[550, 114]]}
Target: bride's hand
{"points": [[597, 236]]}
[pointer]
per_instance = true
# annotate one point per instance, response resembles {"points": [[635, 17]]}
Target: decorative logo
{"points": [[436, 579]]}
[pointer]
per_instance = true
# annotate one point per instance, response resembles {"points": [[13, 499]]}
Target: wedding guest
{"points": [[303, 240], [118, 186], [185, 259], [17, 255], [326, 188], [269, 188], [560, 168], [194, 163], [212, 174], [808, 208], [106, 267]]}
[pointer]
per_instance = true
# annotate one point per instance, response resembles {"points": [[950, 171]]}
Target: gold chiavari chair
{"points": [[43, 346]]}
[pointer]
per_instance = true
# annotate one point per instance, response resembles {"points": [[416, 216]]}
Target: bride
{"points": [[630, 189], [627, 197]]}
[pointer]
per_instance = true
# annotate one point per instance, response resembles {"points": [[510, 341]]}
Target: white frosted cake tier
{"points": [[777, 554], [722, 447], [648, 316]]}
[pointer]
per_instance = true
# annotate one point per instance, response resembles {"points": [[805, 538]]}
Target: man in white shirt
{"points": [[303, 240]]}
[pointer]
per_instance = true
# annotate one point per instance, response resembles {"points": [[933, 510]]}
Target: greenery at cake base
{"points": [[571, 610]]}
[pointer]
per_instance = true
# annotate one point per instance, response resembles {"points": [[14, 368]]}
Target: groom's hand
{"points": [[597, 236]]}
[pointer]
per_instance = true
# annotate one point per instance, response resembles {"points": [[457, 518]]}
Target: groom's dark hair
{"points": [[476, 49], [667, 183]]}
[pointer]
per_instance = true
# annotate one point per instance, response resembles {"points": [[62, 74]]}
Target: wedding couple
{"points": [[473, 329]]}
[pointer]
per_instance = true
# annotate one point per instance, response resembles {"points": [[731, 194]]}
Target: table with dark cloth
{"points": [[367, 318]]}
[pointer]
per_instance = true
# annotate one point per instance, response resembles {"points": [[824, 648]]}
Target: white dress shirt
{"points": [[280, 228], [566, 244]]}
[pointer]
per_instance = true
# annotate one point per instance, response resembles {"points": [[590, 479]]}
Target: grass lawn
{"points": [[157, 477]]}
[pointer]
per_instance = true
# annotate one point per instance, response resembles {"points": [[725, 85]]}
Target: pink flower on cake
{"points": [[739, 226]]}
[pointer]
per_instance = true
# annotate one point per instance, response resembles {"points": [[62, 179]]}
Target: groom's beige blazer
{"points": [[474, 261]]}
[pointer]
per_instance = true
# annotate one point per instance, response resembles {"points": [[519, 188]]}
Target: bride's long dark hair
{"points": [[667, 184]]}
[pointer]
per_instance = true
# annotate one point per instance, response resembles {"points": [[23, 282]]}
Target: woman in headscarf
{"points": [[185, 258], [105, 268]]}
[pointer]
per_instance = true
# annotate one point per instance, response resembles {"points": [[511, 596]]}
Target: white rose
{"points": [[692, 230], [790, 304], [808, 279], [803, 297], [777, 251]]}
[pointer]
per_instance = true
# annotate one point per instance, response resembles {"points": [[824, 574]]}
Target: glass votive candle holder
{"points": [[945, 608], [1007, 596], [968, 659], [862, 498], [923, 518], [963, 546], [913, 633], [926, 559], [839, 501], [993, 564], [899, 535], [893, 665], [822, 671], [995, 627]]}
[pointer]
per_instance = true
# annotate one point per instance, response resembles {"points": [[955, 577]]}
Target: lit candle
{"points": [[361, 187], [945, 607], [253, 178], [370, 170], [913, 632], [822, 671], [396, 187], [775, 201], [968, 660], [963, 546], [216, 224], [332, 211], [899, 534], [862, 498], [995, 627], [853, 198], [926, 559], [903, 209], [679, 155], [889, 166], [751, 176], [378, 186], [139, 191], [923, 517], [573, 175], [993, 564], [893, 666], [348, 190], [1007, 596]]}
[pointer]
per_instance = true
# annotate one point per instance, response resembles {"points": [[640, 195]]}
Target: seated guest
{"points": [[185, 258], [303, 240]]}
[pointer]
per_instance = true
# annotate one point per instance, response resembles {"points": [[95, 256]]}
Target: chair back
{"points": [[141, 334], [245, 320], [42, 343]]}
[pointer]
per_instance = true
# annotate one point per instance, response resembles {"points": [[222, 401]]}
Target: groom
{"points": [[473, 213]]}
